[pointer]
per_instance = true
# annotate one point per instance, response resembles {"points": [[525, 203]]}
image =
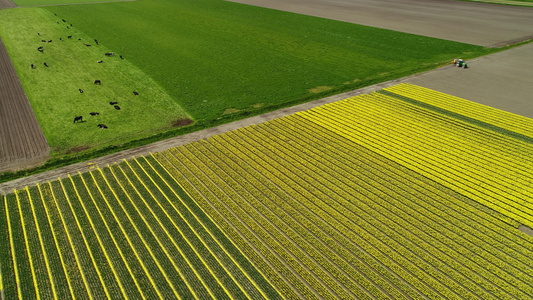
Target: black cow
{"points": [[70, 36], [100, 61], [32, 66], [88, 45], [68, 27], [110, 54], [45, 64], [102, 126], [61, 39], [78, 119], [94, 114], [63, 20], [113, 102], [44, 41], [40, 49], [97, 81], [38, 33], [50, 41], [135, 93], [57, 22], [121, 57], [81, 91], [117, 107], [96, 41]]}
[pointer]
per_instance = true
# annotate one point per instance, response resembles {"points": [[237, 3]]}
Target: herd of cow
{"points": [[96, 82]]}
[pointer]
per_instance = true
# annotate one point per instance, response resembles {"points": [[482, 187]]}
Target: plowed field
{"points": [[21, 138]]}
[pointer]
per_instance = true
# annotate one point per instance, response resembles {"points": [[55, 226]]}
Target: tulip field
{"points": [[404, 193]]}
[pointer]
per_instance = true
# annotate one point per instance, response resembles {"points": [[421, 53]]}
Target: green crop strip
{"points": [[463, 118]]}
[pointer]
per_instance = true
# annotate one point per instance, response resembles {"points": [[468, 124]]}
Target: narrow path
{"points": [[22, 142]]}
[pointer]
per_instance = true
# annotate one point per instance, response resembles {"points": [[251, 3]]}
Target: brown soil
{"points": [[182, 122], [78, 149], [22, 141], [7, 4]]}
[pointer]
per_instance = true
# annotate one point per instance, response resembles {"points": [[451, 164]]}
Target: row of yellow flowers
{"points": [[467, 108]]}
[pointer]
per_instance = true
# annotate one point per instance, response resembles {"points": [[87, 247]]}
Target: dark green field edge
{"points": [[475, 122]]}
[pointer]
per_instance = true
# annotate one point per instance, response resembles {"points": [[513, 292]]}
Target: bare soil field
{"points": [[501, 80], [468, 22], [7, 4], [22, 142]]}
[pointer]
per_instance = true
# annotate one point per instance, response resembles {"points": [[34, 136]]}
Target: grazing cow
{"points": [[96, 41], [88, 45], [81, 91], [78, 119], [38, 33], [63, 20], [50, 41], [113, 102], [45, 64], [69, 37], [68, 27], [32, 66], [102, 126], [117, 107], [79, 39], [60, 39], [135, 93], [43, 41], [121, 57], [40, 49], [57, 22], [100, 61], [97, 81], [110, 54], [94, 114]]}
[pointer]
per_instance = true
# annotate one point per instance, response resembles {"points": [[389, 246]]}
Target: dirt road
{"points": [[468, 22], [22, 142]]}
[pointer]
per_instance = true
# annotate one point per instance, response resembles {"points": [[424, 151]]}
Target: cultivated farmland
{"points": [[395, 194], [210, 61]]}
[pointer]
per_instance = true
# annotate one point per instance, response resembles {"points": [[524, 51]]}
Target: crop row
{"points": [[467, 108], [118, 233], [432, 149], [334, 221]]}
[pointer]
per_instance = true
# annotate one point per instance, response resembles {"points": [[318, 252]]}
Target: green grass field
{"points": [[215, 59], [54, 90], [60, 2], [211, 55]]}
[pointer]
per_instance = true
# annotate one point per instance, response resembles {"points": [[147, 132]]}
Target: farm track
{"points": [[22, 142]]}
